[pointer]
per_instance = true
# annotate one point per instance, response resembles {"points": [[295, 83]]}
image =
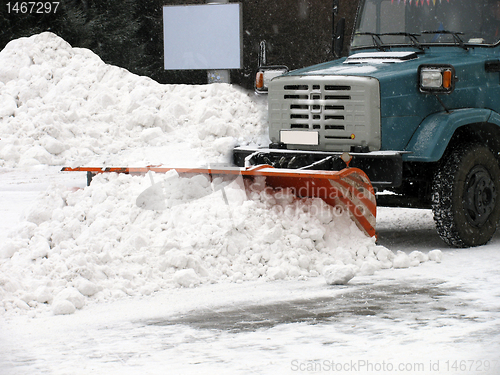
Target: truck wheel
{"points": [[466, 196]]}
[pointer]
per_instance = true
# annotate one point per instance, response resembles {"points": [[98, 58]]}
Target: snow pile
{"points": [[120, 236], [97, 244], [64, 105]]}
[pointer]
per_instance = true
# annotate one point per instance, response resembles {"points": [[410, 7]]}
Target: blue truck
{"points": [[416, 103]]}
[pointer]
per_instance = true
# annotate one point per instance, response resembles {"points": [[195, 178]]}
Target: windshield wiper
{"points": [[455, 35], [411, 36], [380, 46], [376, 40]]}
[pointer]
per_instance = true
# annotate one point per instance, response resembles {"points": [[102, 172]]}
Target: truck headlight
{"points": [[436, 79]]}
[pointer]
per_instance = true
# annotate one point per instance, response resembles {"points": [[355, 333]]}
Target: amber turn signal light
{"points": [[447, 77], [259, 80]]}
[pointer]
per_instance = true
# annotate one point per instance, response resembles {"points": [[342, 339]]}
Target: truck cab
{"points": [[417, 105]]}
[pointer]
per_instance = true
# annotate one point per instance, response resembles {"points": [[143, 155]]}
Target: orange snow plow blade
{"points": [[349, 188]]}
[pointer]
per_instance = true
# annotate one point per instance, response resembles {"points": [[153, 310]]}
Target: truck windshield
{"points": [[385, 23]]}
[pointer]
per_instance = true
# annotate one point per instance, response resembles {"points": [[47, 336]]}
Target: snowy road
{"points": [[438, 318]]}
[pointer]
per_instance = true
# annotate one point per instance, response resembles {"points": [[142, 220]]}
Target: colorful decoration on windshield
{"points": [[420, 2]]}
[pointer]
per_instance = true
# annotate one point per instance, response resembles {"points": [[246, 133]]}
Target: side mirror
{"points": [[266, 72], [338, 38]]}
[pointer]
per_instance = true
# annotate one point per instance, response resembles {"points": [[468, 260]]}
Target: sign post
{"points": [[218, 75]]}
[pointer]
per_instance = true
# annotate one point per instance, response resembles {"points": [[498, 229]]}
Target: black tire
{"points": [[466, 196]]}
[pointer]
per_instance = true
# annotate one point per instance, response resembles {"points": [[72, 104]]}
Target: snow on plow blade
{"points": [[350, 189]]}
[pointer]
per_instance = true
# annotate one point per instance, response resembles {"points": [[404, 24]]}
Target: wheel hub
{"points": [[479, 196]]}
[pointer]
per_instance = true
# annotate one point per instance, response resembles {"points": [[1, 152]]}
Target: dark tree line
{"points": [[121, 32], [129, 33]]}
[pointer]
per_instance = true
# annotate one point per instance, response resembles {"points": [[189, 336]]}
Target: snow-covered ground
{"points": [[90, 282], [437, 315]]}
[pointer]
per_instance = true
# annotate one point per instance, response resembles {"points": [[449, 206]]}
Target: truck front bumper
{"points": [[383, 168]]}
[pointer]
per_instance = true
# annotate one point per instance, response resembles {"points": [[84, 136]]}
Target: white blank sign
{"points": [[202, 36]]}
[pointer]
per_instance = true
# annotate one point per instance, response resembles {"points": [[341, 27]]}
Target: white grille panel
{"points": [[345, 111]]}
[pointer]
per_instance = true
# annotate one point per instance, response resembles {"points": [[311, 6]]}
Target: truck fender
{"points": [[431, 138]]}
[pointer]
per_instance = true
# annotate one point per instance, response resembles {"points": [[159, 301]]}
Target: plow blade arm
{"points": [[349, 189]]}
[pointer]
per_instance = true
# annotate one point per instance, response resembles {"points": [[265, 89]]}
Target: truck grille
{"points": [[344, 111]]}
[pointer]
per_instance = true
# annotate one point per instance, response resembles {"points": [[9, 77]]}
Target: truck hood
{"points": [[380, 65]]}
